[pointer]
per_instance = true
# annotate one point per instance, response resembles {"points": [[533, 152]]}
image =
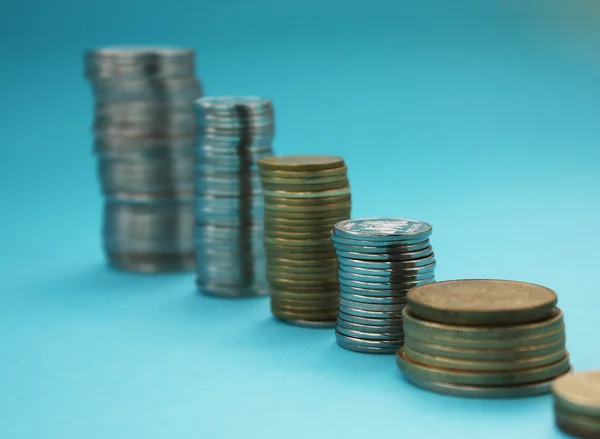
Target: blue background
{"points": [[478, 116]]}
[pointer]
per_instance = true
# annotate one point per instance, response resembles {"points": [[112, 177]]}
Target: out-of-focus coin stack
{"points": [[144, 127], [234, 132], [380, 260], [577, 403], [483, 338], [305, 196]]}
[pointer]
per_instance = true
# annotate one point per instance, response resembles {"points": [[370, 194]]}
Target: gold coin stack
{"points": [[577, 403], [305, 195], [483, 338]]}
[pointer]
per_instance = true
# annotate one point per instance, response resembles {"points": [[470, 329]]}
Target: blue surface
{"points": [[480, 117]]}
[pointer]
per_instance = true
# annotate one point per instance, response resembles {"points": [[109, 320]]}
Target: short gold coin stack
{"points": [[305, 195], [483, 338], [577, 403]]}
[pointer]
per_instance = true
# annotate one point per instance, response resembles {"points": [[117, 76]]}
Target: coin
{"points": [[419, 326], [367, 346], [583, 426], [516, 391], [482, 302], [384, 286], [367, 321], [303, 187], [482, 365], [307, 194], [408, 245], [519, 352], [391, 260], [306, 202], [379, 329], [373, 300], [371, 314], [525, 376], [383, 229], [579, 392], [301, 163], [281, 207], [323, 173], [378, 336]]}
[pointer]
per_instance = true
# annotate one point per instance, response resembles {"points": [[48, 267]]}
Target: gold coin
{"points": [[307, 194], [308, 209], [579, 392], [300, 163], [323, 173], [482, 302], [482, 365], [308, 201], [305, 187]]}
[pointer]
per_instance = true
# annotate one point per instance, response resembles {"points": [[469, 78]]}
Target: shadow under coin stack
{"points": [[144, 130], [380, 260], [305, 196], [483, 338], [234, 132], [577, 404]]}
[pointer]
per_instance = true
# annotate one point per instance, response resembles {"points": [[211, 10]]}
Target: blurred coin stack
{"points": [[305, 196], [577, 403], [483, 338], [234, 132], [380, 260], [144, 127]]}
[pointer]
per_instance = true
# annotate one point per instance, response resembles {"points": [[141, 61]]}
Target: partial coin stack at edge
{"points": [[380, 260], [485, 338], [234, 133], [144, 127], [305, 195], [577, 403]]}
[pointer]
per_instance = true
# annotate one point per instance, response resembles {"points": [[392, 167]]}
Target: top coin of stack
{"points": [[380, 260], [483, 338], [577, 403], [144, 128], [234, 132], [305, 195]]}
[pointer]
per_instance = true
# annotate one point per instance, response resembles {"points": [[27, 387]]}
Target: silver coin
{"points": [[349, 341], [392, 282], [385, 286], [383, 229], [358, 266], [371, 329], [358, 312], [398, 292], [408, 246], [378, 336], [370, 322], [391, 300], [396, 270], [383, 307], [398, 258], [233, 291]]}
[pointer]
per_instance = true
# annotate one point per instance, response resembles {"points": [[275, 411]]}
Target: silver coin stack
{"points": [[144, 127], [379, 261], [234, 133]]}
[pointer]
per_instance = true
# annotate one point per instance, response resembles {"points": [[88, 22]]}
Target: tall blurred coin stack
{"points": [[483, 338], [234, 132], [144, 127], [305, 195], [380, 260]]}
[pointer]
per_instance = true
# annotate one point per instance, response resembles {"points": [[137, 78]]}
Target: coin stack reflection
{"points": [[234, 132], [380, 259], [144, 127], [305, 195], [483, 338]]}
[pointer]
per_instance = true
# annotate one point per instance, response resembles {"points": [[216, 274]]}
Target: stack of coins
{"points": [[577, 403], [380, 260], [144, 128], [234, 132], [305, 196], [483, 338]]}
